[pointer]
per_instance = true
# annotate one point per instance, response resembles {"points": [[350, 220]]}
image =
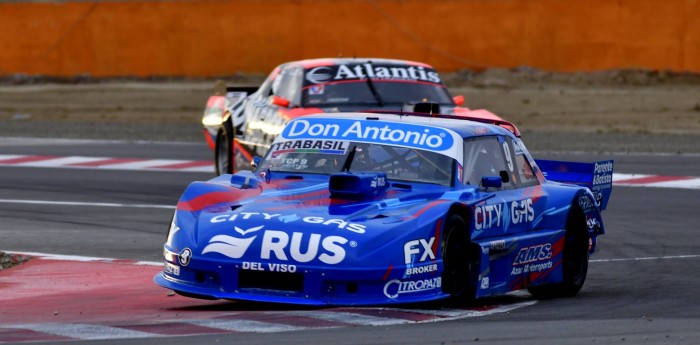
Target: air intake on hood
{"points": [[357, 185]]}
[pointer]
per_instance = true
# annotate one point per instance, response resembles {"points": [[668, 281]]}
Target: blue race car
{"points": [[367, 208]]}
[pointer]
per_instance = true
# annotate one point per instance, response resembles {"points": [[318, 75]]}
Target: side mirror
{"points": [[459, 100], [280, 101], [256, 161], [491, 181]]}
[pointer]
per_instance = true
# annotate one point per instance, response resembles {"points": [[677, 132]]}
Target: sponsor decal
{"points": [[532, 268], [288, 218], [422, 247], [485, 282], [325, 74], [592, 222], [487, 216], [290, 163], [602, 175], [533, 259], [421, 269], [341, 224], [316, 90], [319, 75], [380, 132], [394, 288], [585, 203], [532, 254], [310, 146], [378, 182], [270, 267], [497, 245], [278, 245], [185, 256], [171, 269], [522, 211]]}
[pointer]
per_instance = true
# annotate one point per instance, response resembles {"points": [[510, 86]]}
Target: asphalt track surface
{"points": [[642, 286]]}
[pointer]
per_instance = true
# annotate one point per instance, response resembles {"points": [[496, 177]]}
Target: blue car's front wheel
{"points": [[460, 260]]}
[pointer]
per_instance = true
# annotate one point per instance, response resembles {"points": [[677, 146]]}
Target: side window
{"points": [[288, 84], [265, 90], [486, 156], [525, 175]]}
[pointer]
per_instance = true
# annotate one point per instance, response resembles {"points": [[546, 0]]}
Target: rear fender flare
{"points": [[585, 201]]}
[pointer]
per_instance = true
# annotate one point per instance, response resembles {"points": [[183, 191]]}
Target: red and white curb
{"points": [[55, 297], [106, 163], [639, 180], [110, 163]]}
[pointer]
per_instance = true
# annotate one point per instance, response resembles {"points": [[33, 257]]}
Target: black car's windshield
{"points": [[359, 92], [327, 157]]}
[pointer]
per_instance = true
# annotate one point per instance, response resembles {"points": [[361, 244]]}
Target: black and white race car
{"points": [[242, 122]]}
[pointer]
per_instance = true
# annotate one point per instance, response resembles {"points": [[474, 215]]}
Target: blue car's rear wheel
{"points": [[574, 262], [460, 258]]}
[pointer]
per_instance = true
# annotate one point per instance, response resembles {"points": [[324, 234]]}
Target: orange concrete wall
{"points": [[223, 37]]}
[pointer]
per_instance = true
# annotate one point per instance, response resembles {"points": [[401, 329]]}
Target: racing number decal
{"points": [[509, 158]]}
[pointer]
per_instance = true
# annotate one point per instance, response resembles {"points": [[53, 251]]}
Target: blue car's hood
{"points": [[297, 221]]}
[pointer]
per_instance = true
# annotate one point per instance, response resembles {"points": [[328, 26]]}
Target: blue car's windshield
{"points": [[327, 157]]}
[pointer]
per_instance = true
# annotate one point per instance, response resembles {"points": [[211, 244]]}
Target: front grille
{"points": [[248, 279]]}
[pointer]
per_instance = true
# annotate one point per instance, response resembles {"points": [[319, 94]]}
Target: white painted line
{"points": [[244, 325], [685, 184], [106, 163], [649, 258], [617, 177], [58, 161], [7, 157], [451, 314], [148, 263], [76, 203], [347, 318], [61, 257], [656, 181], [84, 331], [142, 165], [476, 313]]}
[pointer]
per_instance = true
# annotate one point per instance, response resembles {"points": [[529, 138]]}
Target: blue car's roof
{"points": [[463, 127]]}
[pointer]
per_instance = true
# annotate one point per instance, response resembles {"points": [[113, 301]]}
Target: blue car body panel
{"points": [[363, 238]]}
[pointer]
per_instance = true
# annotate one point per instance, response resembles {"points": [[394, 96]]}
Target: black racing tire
{"points": [[223, 153], [574, 262], [461, 260]]}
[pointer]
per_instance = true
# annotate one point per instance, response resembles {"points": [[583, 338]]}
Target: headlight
{"points": [[173, 229]]}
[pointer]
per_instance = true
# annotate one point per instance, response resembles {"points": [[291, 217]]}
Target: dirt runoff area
{"points": [[613, 111]]}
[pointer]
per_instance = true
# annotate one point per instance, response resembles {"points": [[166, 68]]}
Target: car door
{"points": [[513, 206], [504, 222]]}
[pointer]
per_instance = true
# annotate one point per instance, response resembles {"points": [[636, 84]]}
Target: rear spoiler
{"points": [[221, 89], [596, 176]]}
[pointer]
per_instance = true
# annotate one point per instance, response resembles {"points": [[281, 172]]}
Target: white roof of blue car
{"points": [[463, 128], [424, 132]]}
